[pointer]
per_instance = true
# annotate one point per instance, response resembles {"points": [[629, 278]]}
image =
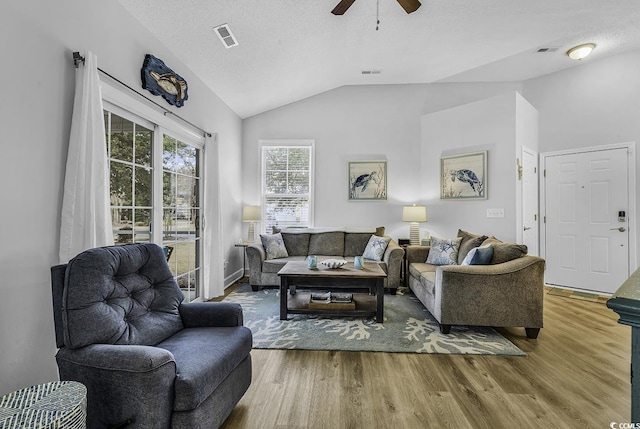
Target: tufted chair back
{"points": [[118, 295]]}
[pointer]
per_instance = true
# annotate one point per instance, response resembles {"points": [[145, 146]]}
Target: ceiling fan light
{"points": [[580, 51]]}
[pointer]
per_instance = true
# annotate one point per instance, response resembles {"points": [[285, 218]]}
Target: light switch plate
{"points": [[495, 213]]}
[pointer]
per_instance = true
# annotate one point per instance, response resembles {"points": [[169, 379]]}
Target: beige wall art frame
{"points": [[367, 180], [464, 176]]}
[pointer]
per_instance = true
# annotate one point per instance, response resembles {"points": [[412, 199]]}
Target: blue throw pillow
{"points": [[479, 256]]}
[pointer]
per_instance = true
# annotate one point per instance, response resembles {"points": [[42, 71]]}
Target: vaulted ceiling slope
{"points": [[292, 49]]}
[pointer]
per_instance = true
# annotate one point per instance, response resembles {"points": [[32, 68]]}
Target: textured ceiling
{"points": [[291, 49]]}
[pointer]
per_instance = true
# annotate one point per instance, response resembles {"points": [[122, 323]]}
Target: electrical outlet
{"points": [[495, 213]]}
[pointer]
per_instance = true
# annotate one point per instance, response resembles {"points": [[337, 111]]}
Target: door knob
{"points": [[621, 229], [527, 228]]}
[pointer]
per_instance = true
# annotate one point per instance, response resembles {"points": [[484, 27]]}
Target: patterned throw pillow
{"points": [[479, 256], [274, 246], [444, 251], [376, 247]]}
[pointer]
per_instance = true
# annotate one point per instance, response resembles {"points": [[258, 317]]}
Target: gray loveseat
{"points": [[508, 291], [325, 243], [147, 359]]}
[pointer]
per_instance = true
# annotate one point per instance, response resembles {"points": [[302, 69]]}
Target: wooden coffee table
{"points": [[296, 273]]}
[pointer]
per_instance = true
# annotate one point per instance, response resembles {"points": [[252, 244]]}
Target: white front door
{"points": [[530, 216], [586, 245]]}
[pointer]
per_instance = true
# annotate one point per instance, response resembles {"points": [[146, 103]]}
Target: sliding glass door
{"points": [[181, 211], [155, 181]]}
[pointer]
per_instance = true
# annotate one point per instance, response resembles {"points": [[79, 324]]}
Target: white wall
{"points": [[492, 125], [596, 103], [37, 39], [360, 122]]}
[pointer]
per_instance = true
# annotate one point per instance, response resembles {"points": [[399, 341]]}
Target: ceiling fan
{"points": [[408, 5]]}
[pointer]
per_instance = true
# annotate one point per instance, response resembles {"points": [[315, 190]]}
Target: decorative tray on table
{"points": [[333, 263]]}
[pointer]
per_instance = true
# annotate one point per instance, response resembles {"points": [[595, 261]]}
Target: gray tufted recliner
{"points": [[147, 359]]}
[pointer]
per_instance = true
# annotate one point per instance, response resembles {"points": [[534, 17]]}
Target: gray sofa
{"points": [[147, 359], [507, 292], [325, 243]]}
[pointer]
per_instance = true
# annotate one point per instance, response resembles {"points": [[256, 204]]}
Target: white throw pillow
{"points": [[376, 247], [444, 251]]}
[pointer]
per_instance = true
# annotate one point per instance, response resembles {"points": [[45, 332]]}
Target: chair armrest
{"points": [[211, 314], [124, 383], [480, 271], [417, 253], [393, 257], [506, 294], [255, 257], [118, 357]]}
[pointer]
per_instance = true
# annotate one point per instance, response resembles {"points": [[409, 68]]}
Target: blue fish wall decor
{"points": [[159, 79]]}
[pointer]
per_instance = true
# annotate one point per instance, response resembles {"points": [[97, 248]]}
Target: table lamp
{"points": [[251, 214], [414, 214]]}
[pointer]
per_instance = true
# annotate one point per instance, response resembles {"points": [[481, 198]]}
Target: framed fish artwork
{"points": [[159, 79], [464, 177], [367, 180]]}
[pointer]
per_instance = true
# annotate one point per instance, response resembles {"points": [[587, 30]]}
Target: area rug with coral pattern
{"points": [[408, 328]]}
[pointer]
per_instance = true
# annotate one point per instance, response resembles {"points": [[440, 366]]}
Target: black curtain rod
{"points": [[77, 59]]}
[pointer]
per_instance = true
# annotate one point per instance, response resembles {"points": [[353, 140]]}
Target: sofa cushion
{"points": [[120, 295], [297, 244], [444, 251], [204, 358], [478, 256], [274, 246], [355, 243], [376, 247], [504, 252], [425, 273], [469, 241], [327, 243]]}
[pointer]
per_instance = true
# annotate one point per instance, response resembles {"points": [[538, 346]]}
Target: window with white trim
{"points": [[287, 183]]}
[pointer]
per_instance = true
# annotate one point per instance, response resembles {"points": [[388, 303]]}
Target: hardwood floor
{"points": [[575, 375]]}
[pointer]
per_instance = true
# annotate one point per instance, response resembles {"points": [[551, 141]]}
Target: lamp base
{"points": [[251, 236], [414, 233]]}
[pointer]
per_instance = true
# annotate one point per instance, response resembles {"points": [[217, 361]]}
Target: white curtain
{"points": [[213, 254], [86, 218]]}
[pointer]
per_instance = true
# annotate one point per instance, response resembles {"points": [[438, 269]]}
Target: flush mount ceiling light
{"points": [[580, 51]]}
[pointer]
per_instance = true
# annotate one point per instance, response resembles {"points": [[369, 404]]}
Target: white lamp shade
{"points": [[414, 214], [251, 213]]}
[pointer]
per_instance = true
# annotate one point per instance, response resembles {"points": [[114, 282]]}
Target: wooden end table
{"points": [[296, 273]]}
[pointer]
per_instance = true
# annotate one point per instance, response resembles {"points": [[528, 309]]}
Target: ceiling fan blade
{"points": [[342, 7], [410, 5]]}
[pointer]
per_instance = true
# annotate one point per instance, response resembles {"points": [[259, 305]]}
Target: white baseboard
{"points": [[234, 277], [593, 292]]}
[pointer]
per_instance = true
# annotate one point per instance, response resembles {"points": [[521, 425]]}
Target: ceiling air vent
{"points": [[226, 37], [369, 72], [547, 49]]}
